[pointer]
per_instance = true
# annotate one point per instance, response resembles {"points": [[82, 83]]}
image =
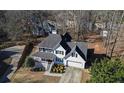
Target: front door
{"points": [[59, 61]]}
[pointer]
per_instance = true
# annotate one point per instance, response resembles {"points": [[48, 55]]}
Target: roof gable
{"points": [[79, 47], [81, 53]]}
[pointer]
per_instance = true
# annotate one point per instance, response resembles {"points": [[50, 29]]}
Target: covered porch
{"points": [[44, 60]]}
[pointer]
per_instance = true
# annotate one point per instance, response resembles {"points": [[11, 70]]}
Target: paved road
{"points": [[13, 52], [11, 69], [8, 52], [72, 75], [4, 77]]}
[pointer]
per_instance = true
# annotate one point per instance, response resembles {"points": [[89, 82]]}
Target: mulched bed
{"points": [[58, 68]]}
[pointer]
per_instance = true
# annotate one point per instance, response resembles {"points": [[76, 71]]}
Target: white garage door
{"points": [[75, 64]]}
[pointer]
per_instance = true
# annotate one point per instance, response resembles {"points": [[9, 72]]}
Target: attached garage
{"points": [[75, 64], [74, 59]]}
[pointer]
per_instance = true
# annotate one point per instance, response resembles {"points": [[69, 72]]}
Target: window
{"points": [[56, 52], [74, 54], [59, 52], [62, 52], [45, 50], [43, 60], [41, 49]]}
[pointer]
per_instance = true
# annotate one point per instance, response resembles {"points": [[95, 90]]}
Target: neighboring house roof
{"points": [[51, 41], [80, 47], [44, 55]]}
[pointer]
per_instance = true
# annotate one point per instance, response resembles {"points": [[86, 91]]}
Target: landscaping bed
{"points": [[58, 68]]}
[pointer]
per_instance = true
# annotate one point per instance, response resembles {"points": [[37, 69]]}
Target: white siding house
{"points": [[60, 52], [56, 49], [75, 60]]}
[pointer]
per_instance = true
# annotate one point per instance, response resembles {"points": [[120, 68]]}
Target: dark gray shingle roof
{"points": [[51, 41], [79, 47], [43, 55], [71, 44], [83, 47]]}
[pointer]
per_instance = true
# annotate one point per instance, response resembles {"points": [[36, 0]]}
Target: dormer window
{"points": [[74, 54]]}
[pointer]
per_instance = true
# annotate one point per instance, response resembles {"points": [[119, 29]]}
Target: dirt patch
{"points": [[98, 47], [95, 42], [27, 76]]}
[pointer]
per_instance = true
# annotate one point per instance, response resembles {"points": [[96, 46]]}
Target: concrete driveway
{"points": [[72, 75]]}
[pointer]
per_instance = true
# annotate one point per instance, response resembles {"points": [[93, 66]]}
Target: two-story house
{"points": [[60, 50]]}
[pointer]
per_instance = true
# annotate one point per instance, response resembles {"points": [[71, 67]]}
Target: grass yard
{"points": [[85, 76], [26, 76]]}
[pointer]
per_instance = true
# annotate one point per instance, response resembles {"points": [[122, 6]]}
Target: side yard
{"points": [[75, 75], [24, 75], [85, 76]]}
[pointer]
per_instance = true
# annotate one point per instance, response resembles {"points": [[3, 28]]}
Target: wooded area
{"points": [[28, 28], [18, 25]]}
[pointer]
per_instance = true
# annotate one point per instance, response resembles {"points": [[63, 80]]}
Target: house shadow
{"points": [[67, 37], [6, 54], [92, 57], [5, 68], [5, 78]]}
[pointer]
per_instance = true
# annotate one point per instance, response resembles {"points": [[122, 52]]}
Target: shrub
{"points": [[29, 62], [107, 71]]}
